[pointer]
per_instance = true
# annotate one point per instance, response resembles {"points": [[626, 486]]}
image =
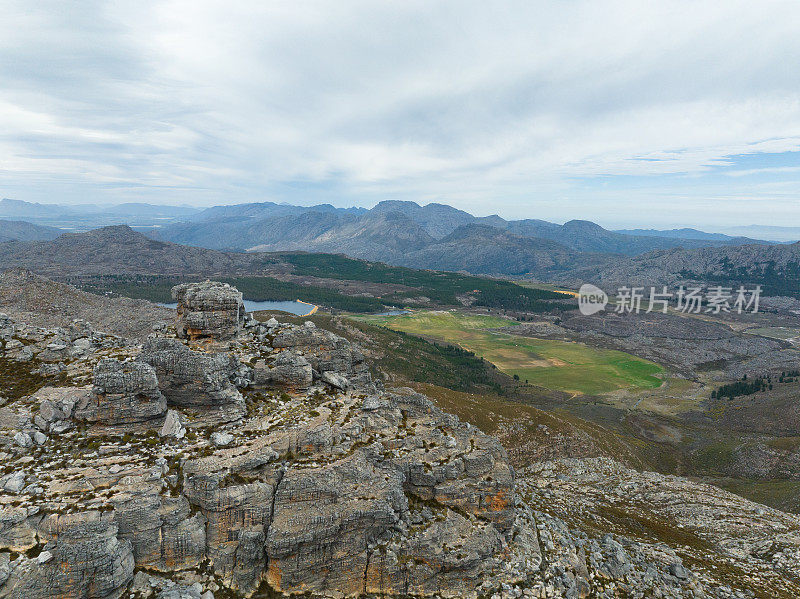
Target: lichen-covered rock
{"points": [[7, 327], [163, 534], [208, 310], [326, 519], [238, 514], [416, 564], [326, 352], [193, 379], [87, 561], [18, 528], [288, 370], [173, 427], [124, 393], [56, 405]]}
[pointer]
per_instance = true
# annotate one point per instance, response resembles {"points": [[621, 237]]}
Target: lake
{"points": [[293, 307]]}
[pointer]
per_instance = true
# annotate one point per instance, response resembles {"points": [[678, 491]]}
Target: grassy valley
{"points": [[559, 365]]}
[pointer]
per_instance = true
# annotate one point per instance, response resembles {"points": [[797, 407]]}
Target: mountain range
{"points": [[83, 217], [232, 240], [393, 229], [477, 249]]}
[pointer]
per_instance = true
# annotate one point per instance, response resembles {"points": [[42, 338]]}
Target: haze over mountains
{"points": [[437, 237], [405, 225], [83, 217], [477, 249]]}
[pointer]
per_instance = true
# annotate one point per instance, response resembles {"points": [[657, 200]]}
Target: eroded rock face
{"points": [[163, 534], [325, 521], [85, 559], [289, 371], [208, 310], [193, 379], [355, 499], [124, 393], [326, 352], [238, 516]]}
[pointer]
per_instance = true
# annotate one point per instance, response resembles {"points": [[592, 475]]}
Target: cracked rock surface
{"points": [[294, 473]]}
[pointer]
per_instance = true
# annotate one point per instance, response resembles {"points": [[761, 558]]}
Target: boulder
{"points": [[56, 405], [289, 370], [208, 310], [124, 393], [194, 379], [173, 426], [326, 352]]}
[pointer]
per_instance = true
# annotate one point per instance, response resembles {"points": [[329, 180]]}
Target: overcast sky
{"points": [[626, 113]]}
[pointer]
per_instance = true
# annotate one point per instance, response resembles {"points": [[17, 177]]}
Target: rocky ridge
{"points": [[268, 462]]}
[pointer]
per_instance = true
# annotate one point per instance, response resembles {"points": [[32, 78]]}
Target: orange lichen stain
{"points": [[274, 575], [498, 502]]}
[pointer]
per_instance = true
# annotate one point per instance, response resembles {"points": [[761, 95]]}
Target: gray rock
{"points": [[221, 439], [23, 439], [194, 379], [180, 592], [208, 310], [172, 426], [165, 536], [289, 371], [334, 380], [17, 529], [86, 560], [326, 352], [124, 393]]}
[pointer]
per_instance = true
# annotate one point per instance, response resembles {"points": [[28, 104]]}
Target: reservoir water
{"points": [[293, 307]]}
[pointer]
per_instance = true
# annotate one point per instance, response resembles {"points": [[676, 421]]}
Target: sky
{"points": [[654, 114]]}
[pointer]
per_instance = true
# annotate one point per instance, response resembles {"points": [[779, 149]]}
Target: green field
{"points": [[559, 365]]}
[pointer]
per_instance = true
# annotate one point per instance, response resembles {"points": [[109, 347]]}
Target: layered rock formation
{"points": [[208, 310], [124, 393], [318, 482], [194, 379], [327, 353]]}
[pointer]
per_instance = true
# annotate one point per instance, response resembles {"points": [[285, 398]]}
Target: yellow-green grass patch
{"points": [[560, 365]]}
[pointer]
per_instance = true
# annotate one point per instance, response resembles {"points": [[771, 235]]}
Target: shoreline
{"points": [[314, 307]]}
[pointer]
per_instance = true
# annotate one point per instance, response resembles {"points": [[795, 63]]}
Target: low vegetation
{"points": [[559, 365]]}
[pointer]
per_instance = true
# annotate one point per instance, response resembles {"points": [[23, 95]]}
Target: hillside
{"points": [[111, 250], [483, 249], [42, 302], [775, 267], [17, 230]]}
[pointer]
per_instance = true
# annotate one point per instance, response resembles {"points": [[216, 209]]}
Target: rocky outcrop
{"points": [[309, 507], [327, 486], [83, 558], [327, 353], [164, 535], [194, 379], [124, 393], [238, 516], [208, 310], [289, 370]]}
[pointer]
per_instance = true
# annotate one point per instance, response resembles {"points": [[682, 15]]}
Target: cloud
{"points": [[477, 105]]}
